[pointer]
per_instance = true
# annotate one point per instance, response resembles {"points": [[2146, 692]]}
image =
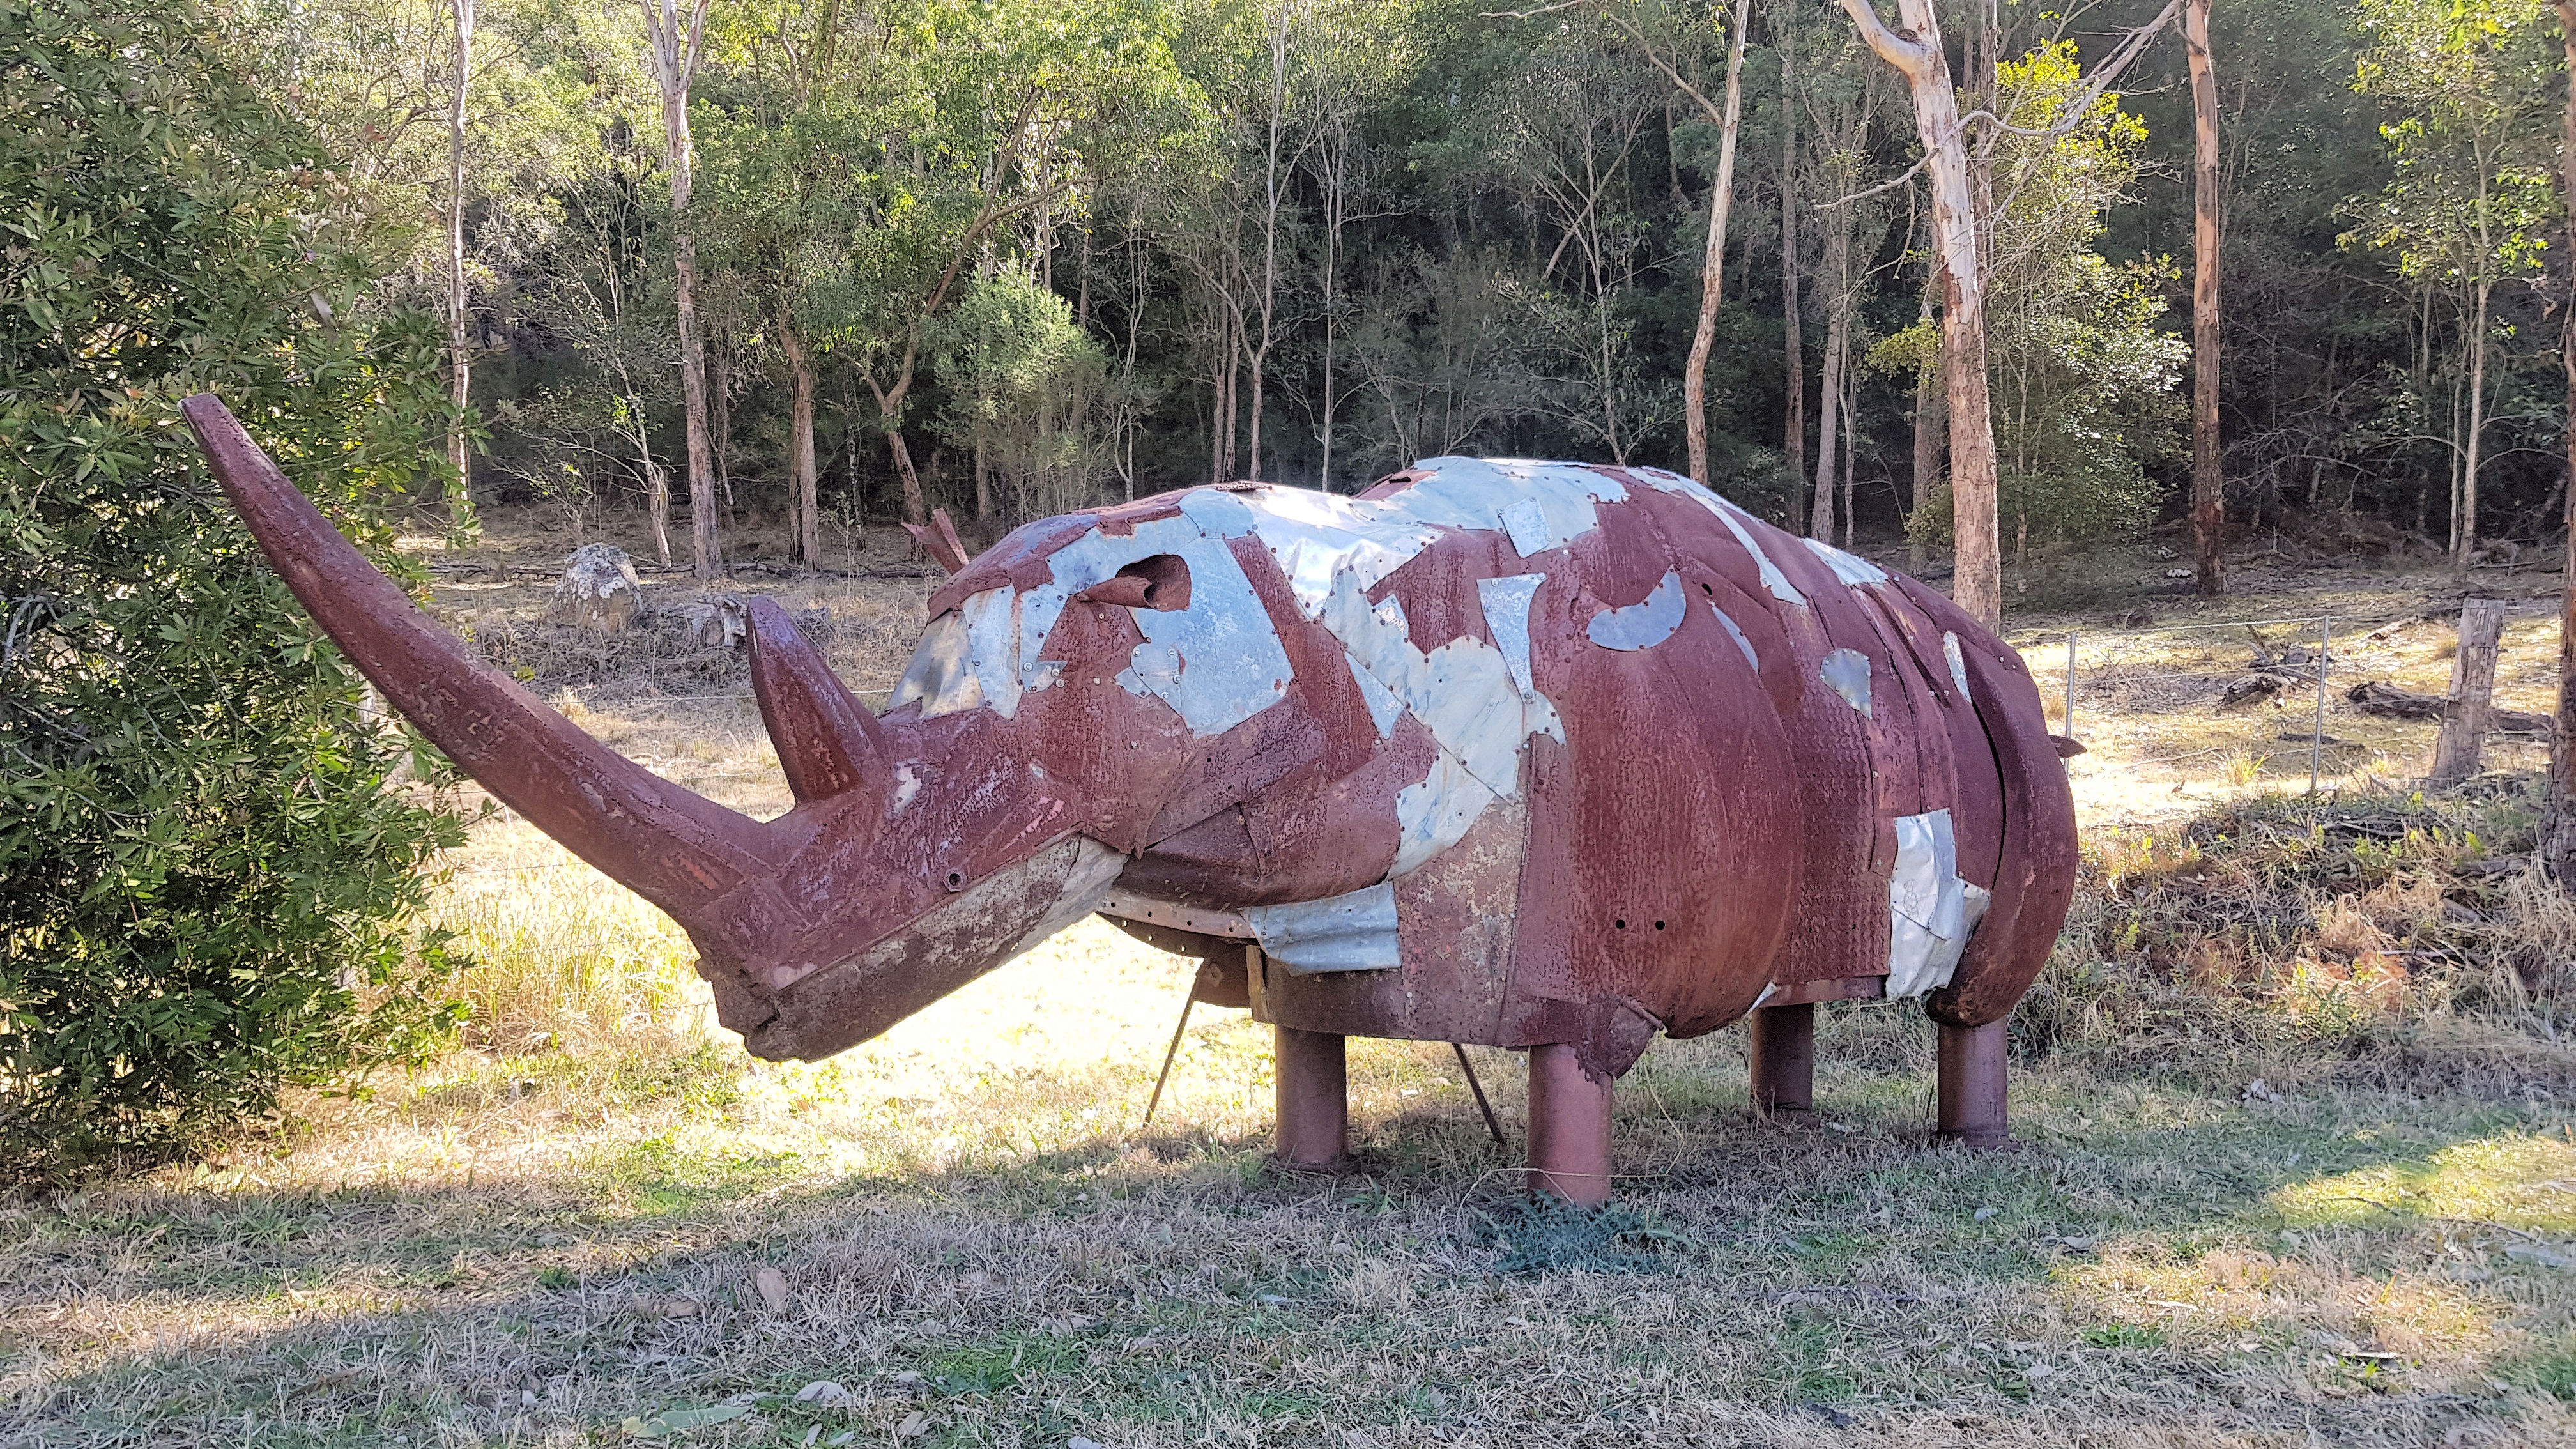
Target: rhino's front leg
{"points": [[1569, 1127], [1312, 1077]]}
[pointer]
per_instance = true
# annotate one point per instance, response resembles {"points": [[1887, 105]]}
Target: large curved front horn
{"points": [[675, 848]]}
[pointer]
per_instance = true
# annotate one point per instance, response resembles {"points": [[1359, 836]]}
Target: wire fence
{"points": [[2262, 700]]}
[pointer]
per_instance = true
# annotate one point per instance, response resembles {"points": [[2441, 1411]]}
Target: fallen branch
{"points": [[2390, 702]]}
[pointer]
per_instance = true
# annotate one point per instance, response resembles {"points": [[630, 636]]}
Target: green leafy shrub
{"points": [[207, 890]]}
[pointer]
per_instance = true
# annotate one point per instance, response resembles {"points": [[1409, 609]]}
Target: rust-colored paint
{"points": [[1701, 814]]}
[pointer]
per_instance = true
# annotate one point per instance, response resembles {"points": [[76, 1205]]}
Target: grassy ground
{"points": [[2296, 1165]]}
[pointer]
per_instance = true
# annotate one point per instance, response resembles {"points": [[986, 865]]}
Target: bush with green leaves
{"points": [[209, 888]]}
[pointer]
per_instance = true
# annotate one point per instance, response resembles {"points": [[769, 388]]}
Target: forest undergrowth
{"points": [[2295, 1164]]}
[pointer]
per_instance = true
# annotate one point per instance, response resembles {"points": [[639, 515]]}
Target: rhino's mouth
{"points": [[963, 937]]}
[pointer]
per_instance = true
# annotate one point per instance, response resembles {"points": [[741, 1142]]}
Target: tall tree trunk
{"points": [[1927, 422], [914, 511], [804, 501], [1712, 269], [676, 47], [2208, 485], [1917, 55], [2467, 529], [723, 423], [1269, 230], [1333, 181], [1793, 346], [1230, 347], [460, 497], [1851, 442], [2558, 829], [1829, 407]]}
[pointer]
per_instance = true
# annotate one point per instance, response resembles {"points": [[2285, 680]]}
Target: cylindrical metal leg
{"points": [[1783, 1047], [1971, 1078], [1569, 1128], [1313, 1082]]}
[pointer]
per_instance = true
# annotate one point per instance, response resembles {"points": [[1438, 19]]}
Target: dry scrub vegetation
{"points": [[2296, 1166]]}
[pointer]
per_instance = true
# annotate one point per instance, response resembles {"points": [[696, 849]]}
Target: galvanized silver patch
{"points": [[1526, 522], [1507, 602], [1849, 568], [1642, 625], [1217, 663], [1383, 707], [1354, 932], [1463, 692], [1218, 513], [1315, 536], [1471, 492], [1958, 665], [941, 675], [1736, 633], [1846, 672], [1931, 910], [1435, 814]]}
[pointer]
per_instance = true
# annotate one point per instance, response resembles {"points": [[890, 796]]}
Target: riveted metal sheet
{"points": [[1433, 814], [1645, 624], [1506, 602], [1846, 673], [1735, 632], [1354, 932], [1928, 906], [1851, 570]]}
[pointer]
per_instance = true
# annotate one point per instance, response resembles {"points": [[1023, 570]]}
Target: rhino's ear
{"points": [[1161, 582]]}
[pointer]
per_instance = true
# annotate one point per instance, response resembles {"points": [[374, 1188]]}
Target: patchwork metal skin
{"points": [[1497, 752]]}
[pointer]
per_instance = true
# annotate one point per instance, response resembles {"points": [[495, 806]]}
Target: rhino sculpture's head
{"points": [[1063, 705]]}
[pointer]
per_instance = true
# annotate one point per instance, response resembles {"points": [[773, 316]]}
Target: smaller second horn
{"points": [[828, 744]]}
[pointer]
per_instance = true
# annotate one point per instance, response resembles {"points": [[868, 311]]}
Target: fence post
{"points": [[2070, 684], [2317, 740], [2464, 712]]}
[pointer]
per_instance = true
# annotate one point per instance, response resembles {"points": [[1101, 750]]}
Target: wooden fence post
{"points": [[2465, 711]]}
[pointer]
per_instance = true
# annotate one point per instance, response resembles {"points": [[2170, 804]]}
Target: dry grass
{"points": [[558, 1228]]}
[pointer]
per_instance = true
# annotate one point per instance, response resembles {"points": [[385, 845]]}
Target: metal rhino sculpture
{"points": [[1529, 755]]}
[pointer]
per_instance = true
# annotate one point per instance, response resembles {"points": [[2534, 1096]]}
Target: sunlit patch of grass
{"points": [[2514, 1180]]}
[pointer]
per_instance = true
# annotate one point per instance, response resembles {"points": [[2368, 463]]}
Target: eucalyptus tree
{"points": [[1917, 52], [2558, 822], [788, 185], [467, 111], [2469, 203], [986, 116], [2208, 482], [1563, 134], [677, 43], [1359, 52]]}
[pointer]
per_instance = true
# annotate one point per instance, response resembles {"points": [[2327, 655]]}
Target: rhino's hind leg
{"points": [[1781, 1040], [1569, 1127], [1312, 1078], [1971, 1076]]}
